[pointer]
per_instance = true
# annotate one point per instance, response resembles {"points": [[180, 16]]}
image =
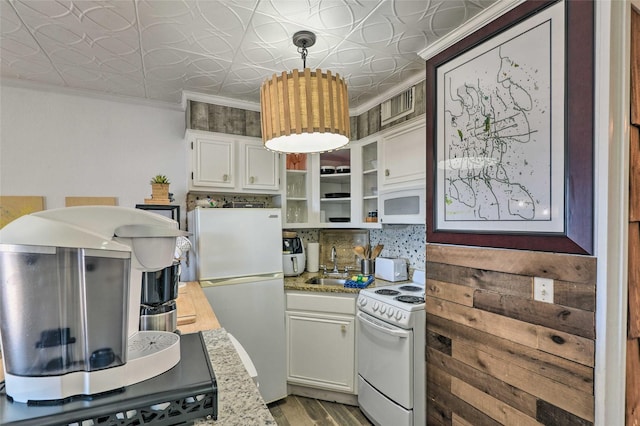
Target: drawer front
{"points": [[317, 302]]}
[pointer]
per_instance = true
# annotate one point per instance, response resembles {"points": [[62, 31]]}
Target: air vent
{"points": [[398, 106]]}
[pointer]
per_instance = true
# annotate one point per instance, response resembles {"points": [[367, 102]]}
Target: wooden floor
{"points": [[300, 411]]}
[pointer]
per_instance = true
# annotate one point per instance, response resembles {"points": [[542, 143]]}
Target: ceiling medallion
{"points": [[304, 111]]}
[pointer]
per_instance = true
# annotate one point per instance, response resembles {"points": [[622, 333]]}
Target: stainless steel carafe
{"points": [[158, 299]]}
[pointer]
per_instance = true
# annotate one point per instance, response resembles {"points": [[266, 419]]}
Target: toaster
{"points": [[389, 269]]}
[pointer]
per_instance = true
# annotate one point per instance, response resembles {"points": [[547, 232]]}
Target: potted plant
{"points": [[160, 187]]}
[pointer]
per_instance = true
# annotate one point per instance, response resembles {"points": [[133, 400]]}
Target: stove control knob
{"points": [[375, 306], [362, 301], [398, 315], [391, 312], [383, 309]]}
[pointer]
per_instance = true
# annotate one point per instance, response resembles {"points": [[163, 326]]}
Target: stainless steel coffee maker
{"points": [[158, 299]]}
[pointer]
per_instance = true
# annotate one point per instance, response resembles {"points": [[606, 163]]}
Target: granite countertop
{"points": [[239, 401], [299, 283]]}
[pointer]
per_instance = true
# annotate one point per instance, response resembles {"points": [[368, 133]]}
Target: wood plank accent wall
{"points": [[223, 119], [633, 336], [495, 355], [635, 67], [236, 121]]}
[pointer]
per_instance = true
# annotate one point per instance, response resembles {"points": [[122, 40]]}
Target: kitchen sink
{"points": [[326, 281]]}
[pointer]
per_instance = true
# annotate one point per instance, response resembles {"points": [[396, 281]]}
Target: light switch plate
{"points": [[543, 289]]}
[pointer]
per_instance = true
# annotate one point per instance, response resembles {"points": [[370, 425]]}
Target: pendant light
{"points": [[304, 111]]}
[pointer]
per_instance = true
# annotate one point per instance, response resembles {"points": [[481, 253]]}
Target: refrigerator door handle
{"points": [[240, 280]]}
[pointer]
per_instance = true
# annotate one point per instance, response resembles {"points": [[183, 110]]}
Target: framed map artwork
{"points": [[510, 148]]}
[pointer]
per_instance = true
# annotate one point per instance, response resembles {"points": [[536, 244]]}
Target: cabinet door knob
{"points": [[252, 179], [225, 177], [386, 172], [343, 328]]}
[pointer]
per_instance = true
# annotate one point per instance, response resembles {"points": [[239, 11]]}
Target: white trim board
{"points": [[488, 15], [612, 47]]}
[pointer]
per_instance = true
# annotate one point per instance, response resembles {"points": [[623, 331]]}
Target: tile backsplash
{"points": [[402, 241], [344, 240]]}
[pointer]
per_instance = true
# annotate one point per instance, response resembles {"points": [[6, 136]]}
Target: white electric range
{"points": [[391, 359]]}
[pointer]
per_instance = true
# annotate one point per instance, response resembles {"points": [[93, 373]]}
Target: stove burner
{"points": [[414, 300], [410, 288], [387, 292]]}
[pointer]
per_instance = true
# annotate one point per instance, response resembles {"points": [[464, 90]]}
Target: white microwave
{"points": [[405, 206]]}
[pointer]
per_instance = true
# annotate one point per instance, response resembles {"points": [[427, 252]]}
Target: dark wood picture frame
{"points": [[578, 133]]}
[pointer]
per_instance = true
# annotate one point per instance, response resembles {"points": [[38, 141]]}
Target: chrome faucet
{"points": [[334, 259]]}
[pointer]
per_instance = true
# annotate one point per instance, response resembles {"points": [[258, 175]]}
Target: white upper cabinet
{"points": [[261, 167], [336, 189], [386, 163], [403, 155], [212, 162], [369, 177], [297, 196], [230, 163]]}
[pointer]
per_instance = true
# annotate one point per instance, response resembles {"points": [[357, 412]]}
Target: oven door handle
{"points": [[397, 332]]}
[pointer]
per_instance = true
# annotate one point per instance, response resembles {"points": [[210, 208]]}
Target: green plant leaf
{"points": [[160, 179]]}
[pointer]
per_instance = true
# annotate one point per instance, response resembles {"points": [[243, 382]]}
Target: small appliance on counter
{"points": [[391, 269], [70, 311], [293, 256], [158, 309]]}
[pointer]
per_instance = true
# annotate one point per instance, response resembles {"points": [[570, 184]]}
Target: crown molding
{"points": [[494, 11], [46, 87], [217, 100]]}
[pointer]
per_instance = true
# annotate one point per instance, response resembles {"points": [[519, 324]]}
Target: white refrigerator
{"points": [[238, 262]]}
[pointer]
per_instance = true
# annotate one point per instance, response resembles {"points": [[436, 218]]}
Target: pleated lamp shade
{"points": [[304, 112]]}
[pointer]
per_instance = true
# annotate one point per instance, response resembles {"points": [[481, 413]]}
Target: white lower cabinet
{"points": [[321, 345]]}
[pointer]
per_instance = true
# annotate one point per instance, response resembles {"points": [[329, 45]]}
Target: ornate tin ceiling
{"points": [[155, 49]]}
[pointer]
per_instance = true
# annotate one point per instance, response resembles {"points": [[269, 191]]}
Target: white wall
{"points": [[58, 144]]}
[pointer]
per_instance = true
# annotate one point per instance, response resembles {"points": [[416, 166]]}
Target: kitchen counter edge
{"points": [[299, 283], [239, 400]]}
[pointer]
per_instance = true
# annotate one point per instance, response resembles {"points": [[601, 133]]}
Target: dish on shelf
{"points": [[337, 195], [327, 170], [339, 219], [343, 169]]}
